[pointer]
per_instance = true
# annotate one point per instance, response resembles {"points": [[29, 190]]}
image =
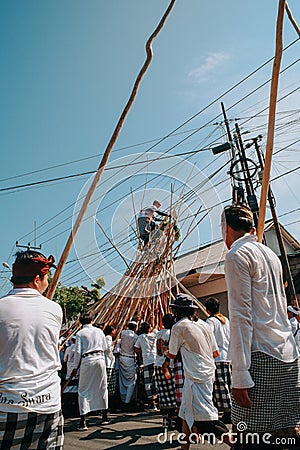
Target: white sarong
{"points": [[197, 403], [92, 387], [127, 377]]}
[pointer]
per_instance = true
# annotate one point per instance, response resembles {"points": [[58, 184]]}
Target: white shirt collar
{"points": [[24, 291], [245, 238]]}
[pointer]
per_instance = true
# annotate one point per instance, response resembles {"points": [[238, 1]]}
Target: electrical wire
{"points": [[204, 109]]}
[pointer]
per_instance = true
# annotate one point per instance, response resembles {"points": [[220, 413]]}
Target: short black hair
{"points": [[184, 312], [168, 321], [131, 326], [239, 217], [108, 329], [212, 304], [145, 327], [86, 318]]}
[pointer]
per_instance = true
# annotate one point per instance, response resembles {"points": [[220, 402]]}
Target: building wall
{"points": [[217, 287], [272, 242], [222, 297]]}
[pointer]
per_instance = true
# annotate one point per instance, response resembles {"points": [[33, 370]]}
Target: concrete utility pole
{"points": [[28, 246], [238, 194], [287, 276]]}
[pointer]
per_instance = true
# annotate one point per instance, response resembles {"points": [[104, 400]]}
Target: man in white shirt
{"points": [[89, 355], [198, 348], [146, 346], [265, 370], [30, 404], [69, 357], [110, 362], [127, 363], [146, 220], [222, 383]]}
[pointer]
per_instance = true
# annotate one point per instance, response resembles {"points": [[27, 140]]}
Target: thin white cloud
{"points": [[211, 62]]}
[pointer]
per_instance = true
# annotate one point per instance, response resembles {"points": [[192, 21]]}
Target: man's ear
{"points": [[230, 236], [35, 281]]}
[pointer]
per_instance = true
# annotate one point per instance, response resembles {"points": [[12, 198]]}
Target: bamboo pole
{"points": [[293, 21], [136, 220], [107, 153], [111, 242], [199, 304], [271, 121]]}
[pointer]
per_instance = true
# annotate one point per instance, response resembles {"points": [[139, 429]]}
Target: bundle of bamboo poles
{"points": [[145, 290], [148, 286]]}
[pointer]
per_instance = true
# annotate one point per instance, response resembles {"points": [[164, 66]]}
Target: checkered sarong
{"points": [[275, 396], [165, 389], [179, 381], [31, 431], [111, 380], [149, 380], [222, 386]]}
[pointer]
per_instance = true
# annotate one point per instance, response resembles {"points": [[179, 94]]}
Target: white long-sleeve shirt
{"points": [[257, 307], [128, 339], [222, 335], [69, 359], [89, 339]]}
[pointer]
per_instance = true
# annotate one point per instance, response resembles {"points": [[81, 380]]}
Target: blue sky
{"points": [[67, 70]]}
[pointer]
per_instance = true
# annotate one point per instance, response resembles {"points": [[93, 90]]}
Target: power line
{"points": [[180, 126], [256, 70], [90, 157], [286, 173], [90, 172]]}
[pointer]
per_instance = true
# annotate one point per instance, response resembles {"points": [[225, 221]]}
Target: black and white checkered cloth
{"points": [[112, 379], [165, 389], [222, 386], [149, 380], [31, 431], [275, 396], [179, 381]]}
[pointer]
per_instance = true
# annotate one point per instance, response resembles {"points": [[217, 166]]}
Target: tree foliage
{"points": [[74, 299]]}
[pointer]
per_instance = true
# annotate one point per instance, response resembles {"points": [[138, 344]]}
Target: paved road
{"points": [[134, 431]]}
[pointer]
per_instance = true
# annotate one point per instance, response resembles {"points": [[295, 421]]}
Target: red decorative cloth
{"points": [[39, 265]]}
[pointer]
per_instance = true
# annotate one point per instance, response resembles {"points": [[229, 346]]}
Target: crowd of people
{"points": [[200, 374]]}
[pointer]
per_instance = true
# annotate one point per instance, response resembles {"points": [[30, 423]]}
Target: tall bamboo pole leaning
{"points": [[111, 242], [271, 121], [293, 21], [107, 153]]}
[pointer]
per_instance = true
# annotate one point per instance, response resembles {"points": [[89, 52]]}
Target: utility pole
{"points": [[29, 246], [237, 189], [287, 276], [251, 197], [243, 170], [34, 233]]}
